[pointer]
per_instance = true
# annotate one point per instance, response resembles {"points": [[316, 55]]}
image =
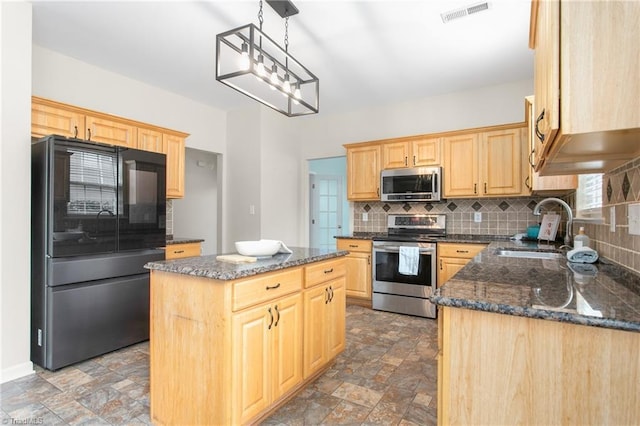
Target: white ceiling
{"points": [[364, 52]]}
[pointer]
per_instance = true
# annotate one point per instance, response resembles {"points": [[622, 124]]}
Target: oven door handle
{"points": [[396, 249]]}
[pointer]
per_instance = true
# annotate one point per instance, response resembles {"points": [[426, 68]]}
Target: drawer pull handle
{"points": [[353, 245], [328, 271], [271, 287], [462, 251], [270, 315], [178, 251], [278, 317]]}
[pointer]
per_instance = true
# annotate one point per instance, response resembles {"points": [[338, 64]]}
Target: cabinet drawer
{"points": [[465, 251], [263, 288], [354, 245], [323, 271], [177, 251]]}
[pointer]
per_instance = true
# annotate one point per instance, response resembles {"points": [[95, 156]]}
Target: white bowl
{"points": [[258, 248]]}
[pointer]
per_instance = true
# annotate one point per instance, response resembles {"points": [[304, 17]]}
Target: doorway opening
{"points": [[328, 205]]}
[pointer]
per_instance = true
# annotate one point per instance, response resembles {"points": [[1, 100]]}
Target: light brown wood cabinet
{"points": [[358, 261], [454, 256], [266, 354], [503, 369], [324, 314], [586, 86], [363, 172], [231, 352], [485, 164], [543, 185], [178, 251], [411, 152], [51, 117]]}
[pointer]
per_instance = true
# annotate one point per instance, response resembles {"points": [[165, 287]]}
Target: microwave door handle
{"points": [[434, 182]]}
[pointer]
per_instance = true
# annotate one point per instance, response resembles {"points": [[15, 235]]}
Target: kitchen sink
{"points": [[528, 254]]}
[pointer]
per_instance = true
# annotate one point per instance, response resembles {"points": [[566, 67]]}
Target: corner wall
{"points": [[15, 183]]}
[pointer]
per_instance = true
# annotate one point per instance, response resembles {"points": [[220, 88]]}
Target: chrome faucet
{"points": [[567, 235]]}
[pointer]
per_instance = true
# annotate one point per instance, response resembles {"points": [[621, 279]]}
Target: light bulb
{"points": [[260, 67], [274, 77], [244, 62], [286, 86], [296, 94]]}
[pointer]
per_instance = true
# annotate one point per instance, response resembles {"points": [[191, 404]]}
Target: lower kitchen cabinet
{"points": [[178, 251], [266, 354], [232, 352], [454, 256], [358, 280]]}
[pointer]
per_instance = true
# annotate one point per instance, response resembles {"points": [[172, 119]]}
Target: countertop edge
{"points": [[223, 271]]}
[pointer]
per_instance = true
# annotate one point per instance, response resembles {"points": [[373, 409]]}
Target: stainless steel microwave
{"points": [[413, 184]]}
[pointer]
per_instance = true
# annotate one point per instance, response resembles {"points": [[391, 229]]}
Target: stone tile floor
{"points": [[386, 376]]}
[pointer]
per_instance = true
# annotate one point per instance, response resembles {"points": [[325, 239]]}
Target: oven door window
{"points": [[386, 269]]}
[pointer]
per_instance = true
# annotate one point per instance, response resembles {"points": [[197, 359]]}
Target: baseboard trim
{"points": [[16, 372]]}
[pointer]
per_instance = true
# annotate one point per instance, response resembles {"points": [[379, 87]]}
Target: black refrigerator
{"points": [[98, 216]]}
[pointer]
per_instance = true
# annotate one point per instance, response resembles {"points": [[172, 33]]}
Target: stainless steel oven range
{"points": [[397, 288]]}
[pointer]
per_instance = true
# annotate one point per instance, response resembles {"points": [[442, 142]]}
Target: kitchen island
{"points": [[230, 343], [538, 341]]}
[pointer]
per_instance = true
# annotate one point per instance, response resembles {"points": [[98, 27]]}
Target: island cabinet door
{"points": [[324, 324], [267, 355]]}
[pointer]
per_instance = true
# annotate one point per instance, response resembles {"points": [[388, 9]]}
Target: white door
{"points": [[325, 200]]}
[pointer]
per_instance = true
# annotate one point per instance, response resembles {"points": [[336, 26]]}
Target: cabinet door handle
{"points": [[533, 151], [271, 287], [406, 161], [278, 317], [75, 132], [326, 296], [328, 271], [271, 316], [89, 133], [414, 160], [539, 135], [378, 191], [485, 187], [526, 183], [441, 264], [330, 294], [475, 188], [368, 260]]}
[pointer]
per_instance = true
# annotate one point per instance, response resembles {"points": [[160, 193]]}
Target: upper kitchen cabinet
{"points": [[484, 164], [411, 152], [363, 171], [175, 146], [151, 140], [586, 85], [543, 185], [51, 117], [112, 132], [48, 119]]}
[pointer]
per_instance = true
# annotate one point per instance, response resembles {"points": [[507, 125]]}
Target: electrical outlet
{"points": [[634, 219], [612, 218], [477, 217], [365, 217]]}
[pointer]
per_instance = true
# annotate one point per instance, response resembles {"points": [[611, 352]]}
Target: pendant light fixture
{"points": [[252, 63]]}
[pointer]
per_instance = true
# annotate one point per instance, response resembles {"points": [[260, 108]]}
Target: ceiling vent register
{"points": [[462, 12]]}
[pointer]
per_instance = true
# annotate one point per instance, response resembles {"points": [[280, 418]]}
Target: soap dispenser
{"points": [[581, 240]]}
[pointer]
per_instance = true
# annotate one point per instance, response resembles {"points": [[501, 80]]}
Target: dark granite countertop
{"points": [[606, 296], [208, 266], [176, 240]]}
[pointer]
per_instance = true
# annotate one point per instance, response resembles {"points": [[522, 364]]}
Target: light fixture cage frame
{"points": [[249, 82]]}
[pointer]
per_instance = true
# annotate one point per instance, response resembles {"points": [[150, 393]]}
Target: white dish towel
{"points": [[409, 258]]}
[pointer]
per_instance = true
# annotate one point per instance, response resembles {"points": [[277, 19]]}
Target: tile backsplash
{"points": [[500, 216], [620, 188]]}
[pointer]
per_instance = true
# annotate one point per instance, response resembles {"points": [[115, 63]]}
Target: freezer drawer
{"points": [[86, 320]]}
